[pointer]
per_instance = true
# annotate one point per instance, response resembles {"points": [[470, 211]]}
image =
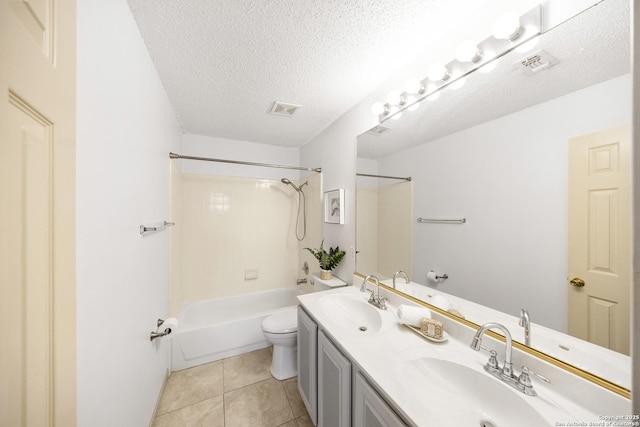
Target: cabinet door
{"points": [[370, 410], [334, 385], [308, 362]]}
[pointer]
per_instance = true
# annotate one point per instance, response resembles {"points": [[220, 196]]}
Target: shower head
{"points": [[288, 182]]}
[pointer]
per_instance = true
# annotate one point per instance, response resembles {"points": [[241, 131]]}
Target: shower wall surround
{"points": [[384, 231], [230, 226]]}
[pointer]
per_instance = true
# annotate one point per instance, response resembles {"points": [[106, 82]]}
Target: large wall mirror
{"points": [[538, 164]]}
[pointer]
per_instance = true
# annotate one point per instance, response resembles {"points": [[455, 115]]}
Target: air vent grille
{"points": [[284, 108], [378, 130], [537, 62]]}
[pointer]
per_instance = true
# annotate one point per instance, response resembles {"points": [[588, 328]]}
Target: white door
{"points": [[37, 170], [600, 238]]}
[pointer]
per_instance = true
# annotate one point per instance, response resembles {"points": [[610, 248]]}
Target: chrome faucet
{"points": [[507, 368], [375, 298], [522, 382], [525, 322], [406, 277]]}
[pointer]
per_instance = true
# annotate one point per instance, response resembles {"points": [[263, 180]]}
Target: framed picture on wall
{"points": [[334, 206]]}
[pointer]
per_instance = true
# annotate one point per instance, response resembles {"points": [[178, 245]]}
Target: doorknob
{"points": [[577, 282]]}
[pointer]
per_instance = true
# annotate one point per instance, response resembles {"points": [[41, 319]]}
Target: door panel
{"points": [[36, 17], [30, 341], [600, 238], [37, 213]]}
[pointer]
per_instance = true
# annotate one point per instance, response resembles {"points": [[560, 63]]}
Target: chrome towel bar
{"points": [[446, 221]]}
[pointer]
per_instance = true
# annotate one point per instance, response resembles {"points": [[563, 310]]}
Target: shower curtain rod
{"points": [[385, 176], [237, 162]]}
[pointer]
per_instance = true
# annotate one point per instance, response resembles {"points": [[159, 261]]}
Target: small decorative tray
{"points": [[416, 330]]}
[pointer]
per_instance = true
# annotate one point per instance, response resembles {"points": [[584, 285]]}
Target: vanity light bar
{"points": [[488, 50]]}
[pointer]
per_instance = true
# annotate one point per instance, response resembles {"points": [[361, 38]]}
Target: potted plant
{"points": [[327, 260]]}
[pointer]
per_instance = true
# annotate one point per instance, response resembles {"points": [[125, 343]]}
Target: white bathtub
{"points": [[223, 327]]}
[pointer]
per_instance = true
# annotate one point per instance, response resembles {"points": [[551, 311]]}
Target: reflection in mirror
{"points": [[500, 152], [384, 233]]}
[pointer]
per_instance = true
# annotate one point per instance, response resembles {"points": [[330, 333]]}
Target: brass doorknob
{"points": [[577, 282]]}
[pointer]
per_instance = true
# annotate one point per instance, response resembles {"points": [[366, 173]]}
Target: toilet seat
{"points": [[284, 322]]}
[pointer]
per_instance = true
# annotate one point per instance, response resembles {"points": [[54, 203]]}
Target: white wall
{"points": [[508, 177], [334, 150], [230, 149], [125, 130]]}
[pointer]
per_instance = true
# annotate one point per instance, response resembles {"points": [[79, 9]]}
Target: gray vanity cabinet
{"points": [[308, 363], [330, 384], [334, 385], [370, 410]]}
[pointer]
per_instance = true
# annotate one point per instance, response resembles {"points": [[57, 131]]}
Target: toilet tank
{"points": [[323, 285]]}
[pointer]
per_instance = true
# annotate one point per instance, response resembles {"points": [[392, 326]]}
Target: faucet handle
{"points": [[493, 360], [525, 377]]}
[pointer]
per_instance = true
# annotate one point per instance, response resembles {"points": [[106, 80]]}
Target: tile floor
{"points": [[234, 392]]}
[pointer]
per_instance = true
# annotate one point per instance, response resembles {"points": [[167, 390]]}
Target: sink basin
{"points": [[351, 312], [470, 397]]}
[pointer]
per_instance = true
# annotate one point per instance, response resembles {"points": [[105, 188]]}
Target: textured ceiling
{"points": [[223, 63], [590, 48]]}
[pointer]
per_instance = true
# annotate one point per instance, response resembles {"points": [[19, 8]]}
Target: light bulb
{"points": [[394, 98], [438, 72], [377, 108], [507, 26], [468, 52], [413, 86]]}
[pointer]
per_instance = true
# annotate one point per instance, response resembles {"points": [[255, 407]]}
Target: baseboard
{"points": [[159, 399]]}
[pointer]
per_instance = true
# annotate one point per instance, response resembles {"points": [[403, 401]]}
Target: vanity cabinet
{"points": [[334, 385], [370, 409], [334, 391], [308, 363]]}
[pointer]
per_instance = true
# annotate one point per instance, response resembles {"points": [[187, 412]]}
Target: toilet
{"points": [[281, 330]]}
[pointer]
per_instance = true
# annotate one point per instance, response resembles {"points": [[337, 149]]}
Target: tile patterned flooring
{"points": [[234, 392]]}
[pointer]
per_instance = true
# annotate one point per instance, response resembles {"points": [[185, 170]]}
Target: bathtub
{"points": [[214, 329]]}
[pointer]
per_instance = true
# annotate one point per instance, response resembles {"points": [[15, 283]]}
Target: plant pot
{"points": [[325, 274]]}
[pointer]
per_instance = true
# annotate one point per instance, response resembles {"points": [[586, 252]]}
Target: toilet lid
{"points": [[282, 322]]}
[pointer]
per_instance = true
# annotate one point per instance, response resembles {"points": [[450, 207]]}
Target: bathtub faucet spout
{"points": [[301, 281]]}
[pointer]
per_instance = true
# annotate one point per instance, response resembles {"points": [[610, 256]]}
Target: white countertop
{"points": [[600, 361], [384, 357]]}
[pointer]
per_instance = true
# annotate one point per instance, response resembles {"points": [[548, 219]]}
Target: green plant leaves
{"points": [[327, 260]]}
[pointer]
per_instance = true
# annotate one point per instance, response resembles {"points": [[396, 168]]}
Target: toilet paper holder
{"points": [[436, 277], [157, 334]]}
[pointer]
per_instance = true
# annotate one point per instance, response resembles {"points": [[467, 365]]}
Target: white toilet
{"points": [[281, 330]]}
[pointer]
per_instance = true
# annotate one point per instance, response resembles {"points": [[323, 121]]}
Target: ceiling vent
{"points": [[536, 62], [378, 130], [284, 109]]}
